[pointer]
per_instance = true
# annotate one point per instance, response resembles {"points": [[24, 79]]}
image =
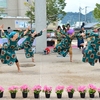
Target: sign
{"points": [[23, 24]]}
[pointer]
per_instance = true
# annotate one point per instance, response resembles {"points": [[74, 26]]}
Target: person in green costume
{"points": [[7, 54]]}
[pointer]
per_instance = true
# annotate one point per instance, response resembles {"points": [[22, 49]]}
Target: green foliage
{"points": [[13, 91], [30, 12], [2, 10], [91, 91], [59, 92], [54, 10], [72, 91], [37, 92], [96, 12], [0, 18], [26, 91]]}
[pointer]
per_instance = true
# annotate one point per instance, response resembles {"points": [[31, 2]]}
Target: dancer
{"points": [[80, 41], [58, 34], [71, 33], [27, 43], [63, 47], [91, 53], [8, 55]]}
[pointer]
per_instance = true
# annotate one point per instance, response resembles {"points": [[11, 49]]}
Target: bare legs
{"points": [[70, 53], [32, 59]]}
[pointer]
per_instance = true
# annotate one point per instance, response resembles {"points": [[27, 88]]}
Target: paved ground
{"points": [[50, 70]]}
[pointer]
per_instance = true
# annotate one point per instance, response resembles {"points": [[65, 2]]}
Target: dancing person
{"points": [[64, 28], [80, 41], [58, 34], [27, 43], [91, 53], [71, 33], [8, 55]]}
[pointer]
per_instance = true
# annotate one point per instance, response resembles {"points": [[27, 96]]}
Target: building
{"points": [[14, 7], [15, 12]]}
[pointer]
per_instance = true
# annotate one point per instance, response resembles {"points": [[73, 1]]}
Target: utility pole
{"points": [[80, 9], [86, 13]]}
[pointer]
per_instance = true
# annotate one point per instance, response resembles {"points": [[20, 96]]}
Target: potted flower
{"points": [[70, 89], [82, 91], [13, 90], [47, 90], [99, 91], [25, 89], [59, 90], [1, 91], [36, 90], [92, 90]]}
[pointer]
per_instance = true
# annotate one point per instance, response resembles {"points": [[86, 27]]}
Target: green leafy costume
{"points": [[8, 55], [91, 53], [27, 44]]}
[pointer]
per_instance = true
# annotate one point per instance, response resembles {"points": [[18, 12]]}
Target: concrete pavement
{"points": [[52, 71]]}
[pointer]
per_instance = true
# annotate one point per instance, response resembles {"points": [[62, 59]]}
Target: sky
{"points": [[73, 5]]}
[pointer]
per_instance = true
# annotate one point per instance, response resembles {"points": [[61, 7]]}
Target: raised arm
{"points": [[4, 32], [35, 34], [23, 33]]}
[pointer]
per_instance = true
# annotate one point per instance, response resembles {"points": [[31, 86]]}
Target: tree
{"points": [[1, 11], [30, 12], [96, 12], [54, 10]]}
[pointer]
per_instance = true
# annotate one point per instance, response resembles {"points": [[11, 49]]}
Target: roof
{"points": [[90, 25]]}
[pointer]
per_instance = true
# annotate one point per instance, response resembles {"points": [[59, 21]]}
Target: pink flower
{"points": [[82, 89], [92, 88], [37, 89], [47, 89], [70, 89], [59, 89], [13, 89], [98, 90], [25, 88], [1, 89]]}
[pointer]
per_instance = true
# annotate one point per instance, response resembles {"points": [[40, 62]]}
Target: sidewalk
{"points": [[52, 71]]}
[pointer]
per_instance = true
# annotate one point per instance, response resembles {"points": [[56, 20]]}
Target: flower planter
{"points": [[1, 94], [36, 95], [24, 94], [70, 95], [59, 95], [91, 95], [13, 95], [99, 94], [47, 95], [82, 95]]}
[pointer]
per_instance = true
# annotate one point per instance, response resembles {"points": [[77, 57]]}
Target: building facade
{"points": [[15, 12], [14, 8]]}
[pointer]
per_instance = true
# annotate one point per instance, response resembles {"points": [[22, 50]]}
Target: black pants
{"points": [[99, 59], [0, 51]]}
